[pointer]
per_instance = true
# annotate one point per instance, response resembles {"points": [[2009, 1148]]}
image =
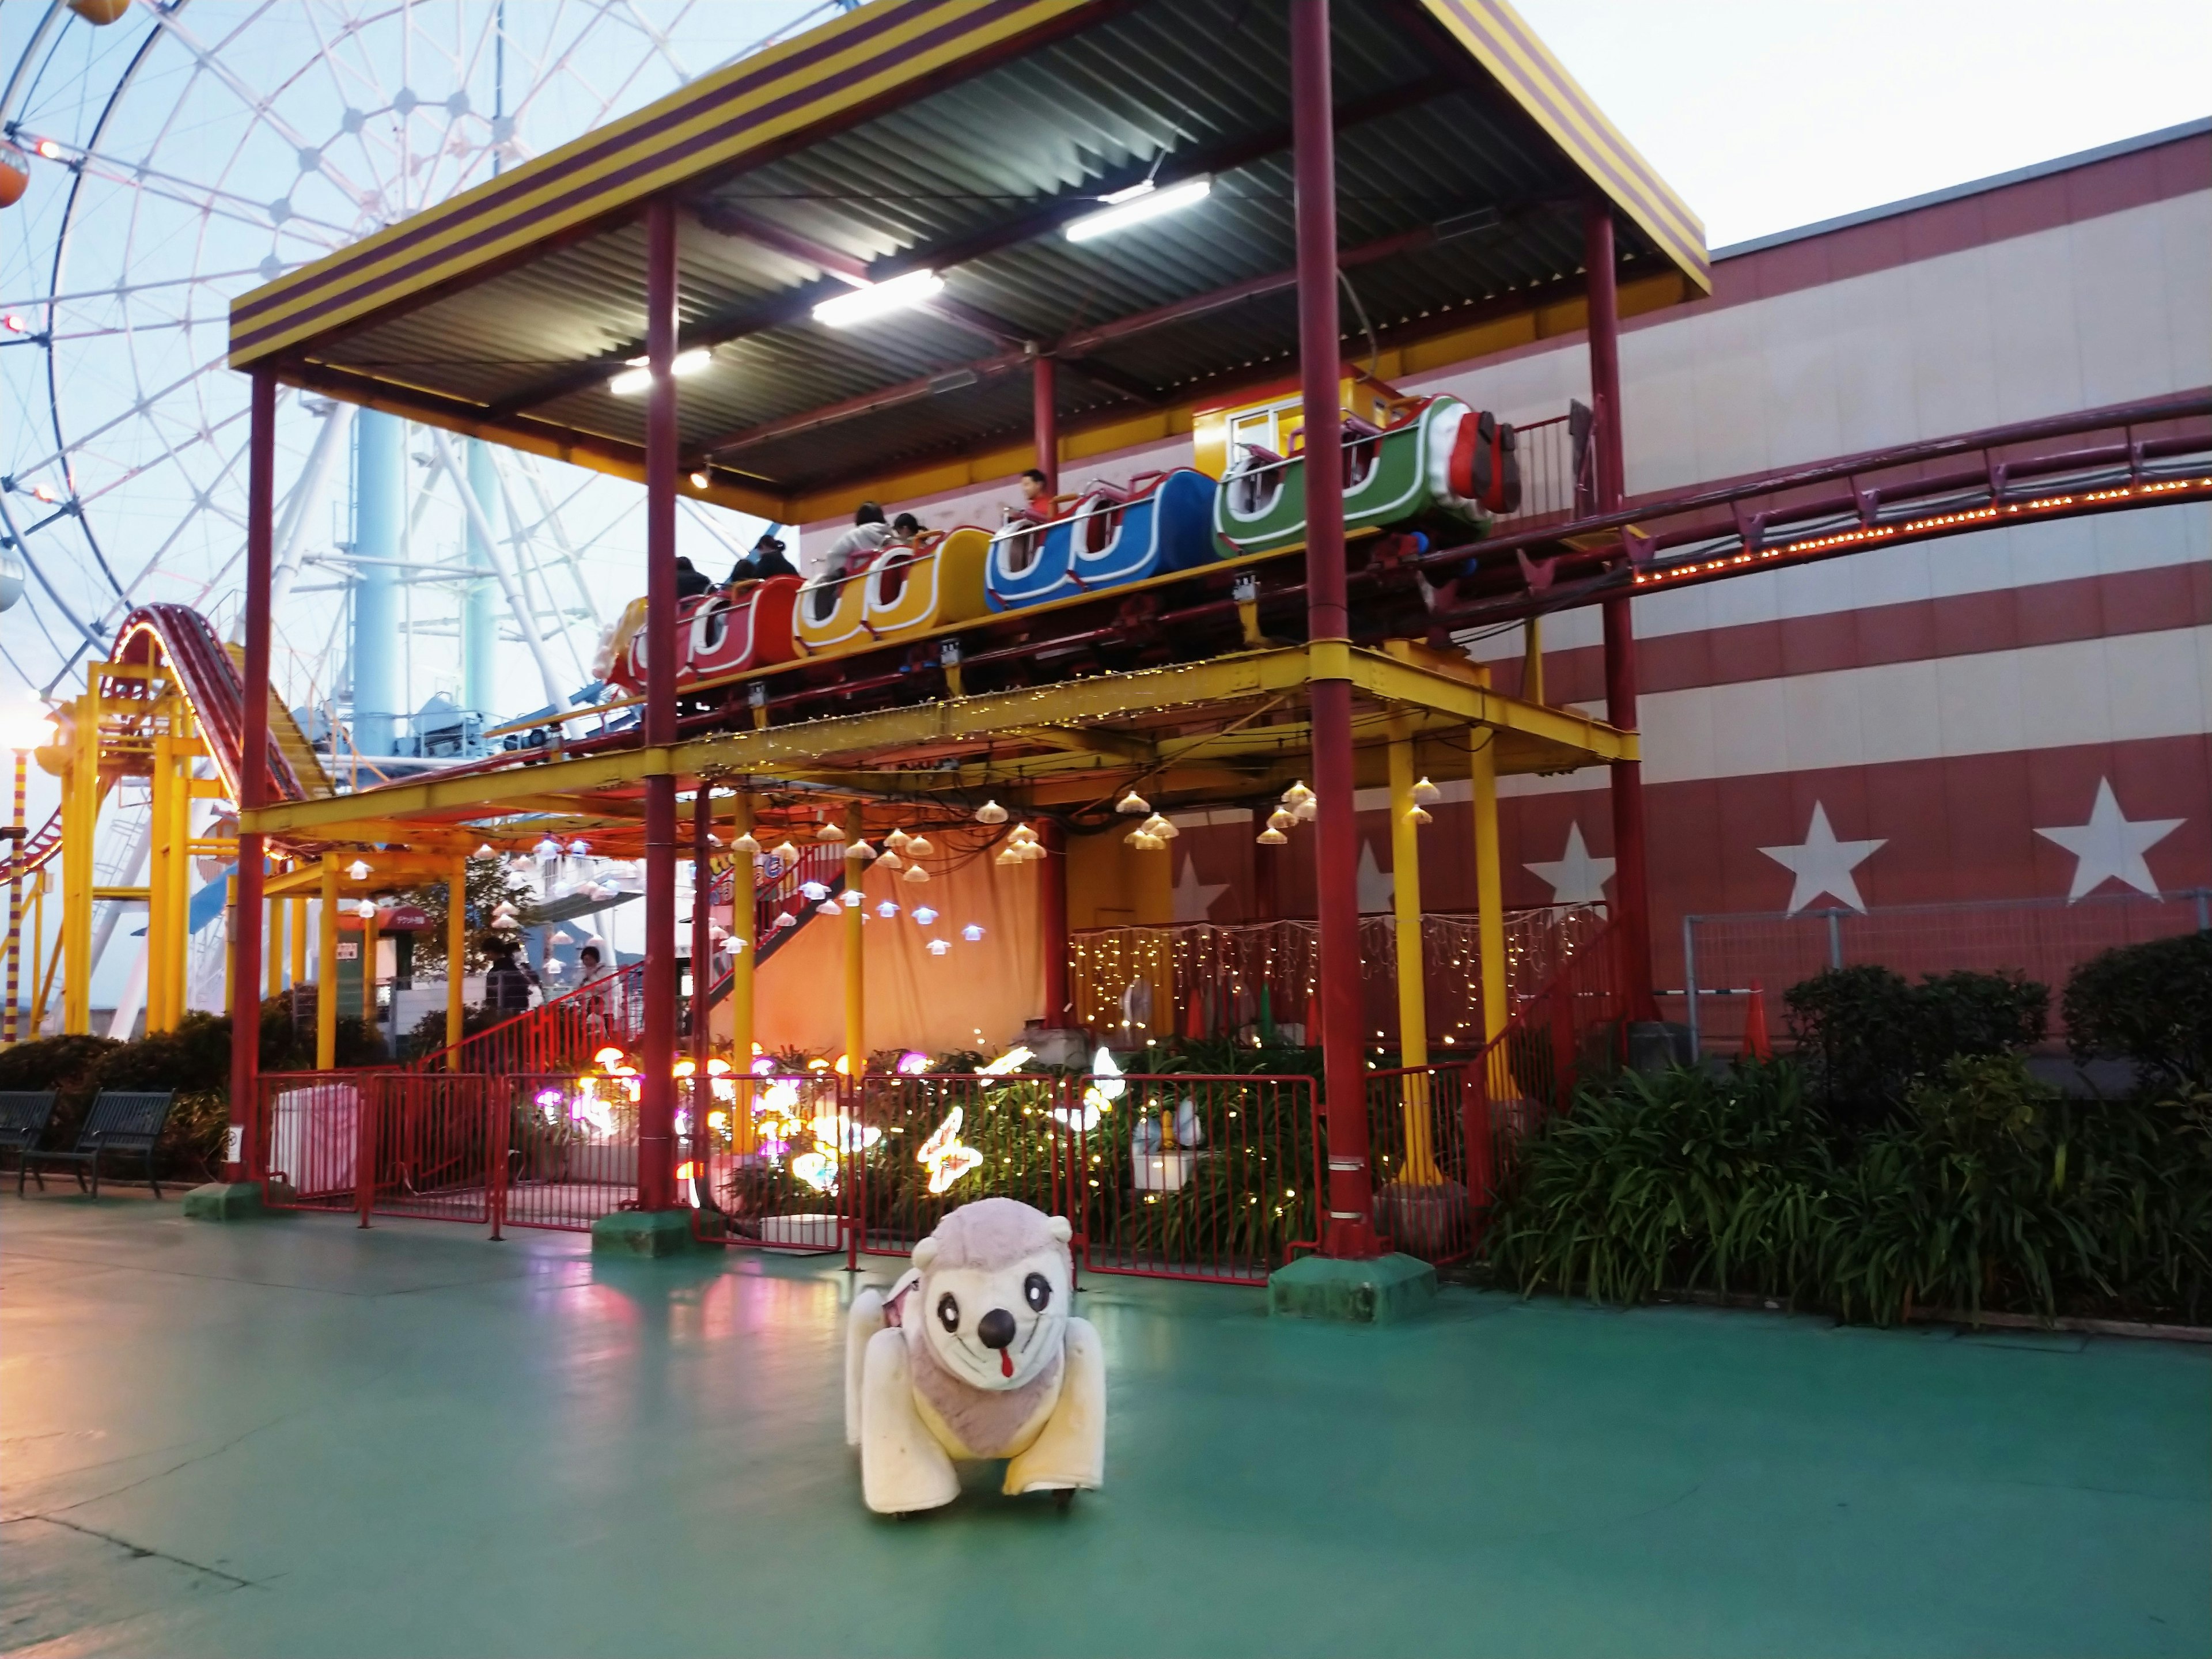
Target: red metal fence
{"points": [[1183, 1176]]}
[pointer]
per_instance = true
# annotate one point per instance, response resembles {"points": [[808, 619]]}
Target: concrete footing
{"points": [[642, 1232], [225, 1200], [1380, 1291]]}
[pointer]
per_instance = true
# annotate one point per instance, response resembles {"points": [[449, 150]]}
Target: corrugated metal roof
{"points": [[973, 178]]}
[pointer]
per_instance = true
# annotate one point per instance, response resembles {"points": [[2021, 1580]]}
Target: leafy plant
{"points": [[1870, 1034], [2150, 1003], [487, 883]]}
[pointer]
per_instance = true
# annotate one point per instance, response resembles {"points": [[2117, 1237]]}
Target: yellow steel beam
{"points": [[1562, 737]]}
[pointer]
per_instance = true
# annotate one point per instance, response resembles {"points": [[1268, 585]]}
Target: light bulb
{"points": [[973, 932], [938, 947], [925, 915], [367, 911], [852, 896], [888, 908], [358, 870]]}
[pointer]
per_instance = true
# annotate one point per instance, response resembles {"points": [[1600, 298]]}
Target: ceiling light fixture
{"points": [[865, 305], [1136, 204], [637, 376]]}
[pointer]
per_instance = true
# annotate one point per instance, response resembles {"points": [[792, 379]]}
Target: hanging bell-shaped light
{"points": [[561, 937], [1418, 815], [918, 846], [484, 851], [860, 849], [888, 908], [1009, 854], [924, 915], [547, 848], [1307, 809], [832, 830], [915, 872], [814, 891], [1424, 791], [990, 812], [1272, 836], [896, 840], [787, 852], [851, 896], [358, 870], [890, 861], [1133, 804], [366, 911], [746, 844], [579, 849], [1032, 851], [830, 907], [1280, 819]]}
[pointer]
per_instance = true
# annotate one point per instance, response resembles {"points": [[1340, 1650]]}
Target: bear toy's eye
{"points": [[948, 1312], [1038, 1288]]}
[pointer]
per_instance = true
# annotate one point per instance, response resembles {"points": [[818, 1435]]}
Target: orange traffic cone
{"points": [[1756, 1043]]}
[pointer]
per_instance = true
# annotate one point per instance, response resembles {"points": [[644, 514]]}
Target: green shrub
{"points": [[1869, 1035], [2150, 1003], [1680, 1181], [1990, 1192]]}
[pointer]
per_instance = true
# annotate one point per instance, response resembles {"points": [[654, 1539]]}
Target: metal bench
{"points": [[24, 1115], [127, 1121]]}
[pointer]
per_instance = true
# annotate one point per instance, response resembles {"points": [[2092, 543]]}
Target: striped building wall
{"points": [[2023, 713]]}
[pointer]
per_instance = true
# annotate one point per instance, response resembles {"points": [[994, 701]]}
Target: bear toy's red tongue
{"points": [[1005, 1362]]}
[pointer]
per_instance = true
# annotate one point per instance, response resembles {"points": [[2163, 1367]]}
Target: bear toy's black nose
{"points": [[996, 1327]]}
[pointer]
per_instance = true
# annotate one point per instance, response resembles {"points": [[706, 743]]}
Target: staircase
{"points": [[568, 1031], [314, 780]]}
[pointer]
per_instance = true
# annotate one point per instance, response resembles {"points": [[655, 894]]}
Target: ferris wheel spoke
{"points": [[129, 290], [262, 109], [139, 409]]}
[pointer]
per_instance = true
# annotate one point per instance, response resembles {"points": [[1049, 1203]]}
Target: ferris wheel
{"points": [[164, 156]]}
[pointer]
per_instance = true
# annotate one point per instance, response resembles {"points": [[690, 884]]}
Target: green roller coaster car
{"points": [[1419, 471]]}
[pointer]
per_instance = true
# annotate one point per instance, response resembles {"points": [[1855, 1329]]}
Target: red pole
{"points": [[1052, 923], [241, 1159], [1045, 412], [1630, 883], [702, 975], [1348, 1230], [656, 1109]]}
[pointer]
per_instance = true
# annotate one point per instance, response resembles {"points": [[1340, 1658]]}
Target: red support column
{"points": [[701, 1092], [1052, 923], [656, 1108], [1348, 1229], [1631, 885], [242, 1158], [1045, 412]]}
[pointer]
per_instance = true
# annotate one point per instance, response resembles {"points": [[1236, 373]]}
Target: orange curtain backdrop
{"points": [[915, 1000]]}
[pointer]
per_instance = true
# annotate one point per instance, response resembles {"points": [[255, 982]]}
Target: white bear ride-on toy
{"points": [[976, 1353]]}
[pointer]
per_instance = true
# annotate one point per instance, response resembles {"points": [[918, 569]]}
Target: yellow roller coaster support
{"points": [[1420, 1164]]}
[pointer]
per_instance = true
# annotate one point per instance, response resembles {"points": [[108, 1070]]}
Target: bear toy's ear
{"points": [[925, 1252], [1058, 1226]]}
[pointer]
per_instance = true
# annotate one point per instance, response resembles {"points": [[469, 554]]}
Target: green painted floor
{"points": [[290, 1437]]}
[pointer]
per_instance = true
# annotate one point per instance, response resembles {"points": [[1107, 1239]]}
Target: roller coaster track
{"points": [[2127, 456], [209, 675]]}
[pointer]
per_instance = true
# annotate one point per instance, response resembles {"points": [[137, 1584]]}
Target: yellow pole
{"points": [[1531, 661], [1489, 885], [368, 973], [1420, 1165], [41, 969], [162, 832], [298, 941], [326, 971], [744, 913], [273, 947], [457, 952], [856, 982], [230, 956], [80, 811], [183, 750]]}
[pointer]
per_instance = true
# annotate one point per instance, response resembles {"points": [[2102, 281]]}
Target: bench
{"points": [[24, 1115], [127, 1121]]}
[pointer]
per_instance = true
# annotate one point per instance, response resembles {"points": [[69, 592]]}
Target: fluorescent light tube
{"points": [[638, 375], [880, 299], [1137, 205]]}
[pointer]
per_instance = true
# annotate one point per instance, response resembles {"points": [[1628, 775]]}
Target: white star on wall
{"points": [[2109, 848], [1194, 899], [1575, 878], [1821, 864], [1376, 886]]}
